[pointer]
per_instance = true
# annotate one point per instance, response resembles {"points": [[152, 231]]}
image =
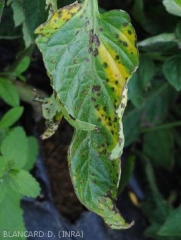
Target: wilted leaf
{"points": [[90, 58]]}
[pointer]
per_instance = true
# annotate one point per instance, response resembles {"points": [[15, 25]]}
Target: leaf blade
{"points": [[78, 39]]}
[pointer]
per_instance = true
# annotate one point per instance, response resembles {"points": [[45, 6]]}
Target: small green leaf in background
{"points": [[172, 71], [8, 93], [3, 165], [171, 227], [140, 80], [11, 117], [10, 206], [32, 153], [28, 14], [173, 7], [3, 190], [22, 67], [178, 30], [23, 182], [161, 43], [1, 8], [126, 172], [131, 126], [157, 104], [15, 148], [158, 146]]}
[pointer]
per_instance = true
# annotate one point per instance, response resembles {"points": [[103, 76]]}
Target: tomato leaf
{"points": [[89, 58]]}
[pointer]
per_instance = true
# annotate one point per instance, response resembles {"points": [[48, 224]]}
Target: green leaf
{"points": [[132, 126], [172, 71], [171, 227], [29, 14], [1, 8], [11, 217], [127, 171], [3, 190], [8, 93], [22, 182], [11, 117], [15, 148], [90, 57], [158, 146], [23, 65], [161, 43], [136, 93], [173, 7], [32, 153], [3, 165], [157, 104]]}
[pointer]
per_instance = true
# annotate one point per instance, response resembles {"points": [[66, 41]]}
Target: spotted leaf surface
{"points": [[89, 58]]}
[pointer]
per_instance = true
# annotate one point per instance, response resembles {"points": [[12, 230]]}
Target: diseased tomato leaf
{"points": [[89, 58]]}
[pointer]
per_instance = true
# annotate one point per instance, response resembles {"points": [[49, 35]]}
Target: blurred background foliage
{"points": [[152, 121]]}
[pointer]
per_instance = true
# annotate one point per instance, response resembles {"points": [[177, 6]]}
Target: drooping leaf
{"points": [[11, 117], [90, 58], [172, 71], [8, 93], [23, 182], [15, 148]]}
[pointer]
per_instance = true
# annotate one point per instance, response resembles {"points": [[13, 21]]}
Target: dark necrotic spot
{"points": [[112, 132], [115, 119], [107, 80], [101, 29], [129, 32], [87, 23], [90, 49], [116, 82], [125, 24], [99, 119], [96, 88], [112, 89], [93, 99], [96, 40], [95, 53], [105, 108], [116, 35], [105, 65], [125, 44], [117, 57]]}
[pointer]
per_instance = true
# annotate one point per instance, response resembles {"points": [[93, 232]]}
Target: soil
{"points": [[55, 151]]}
